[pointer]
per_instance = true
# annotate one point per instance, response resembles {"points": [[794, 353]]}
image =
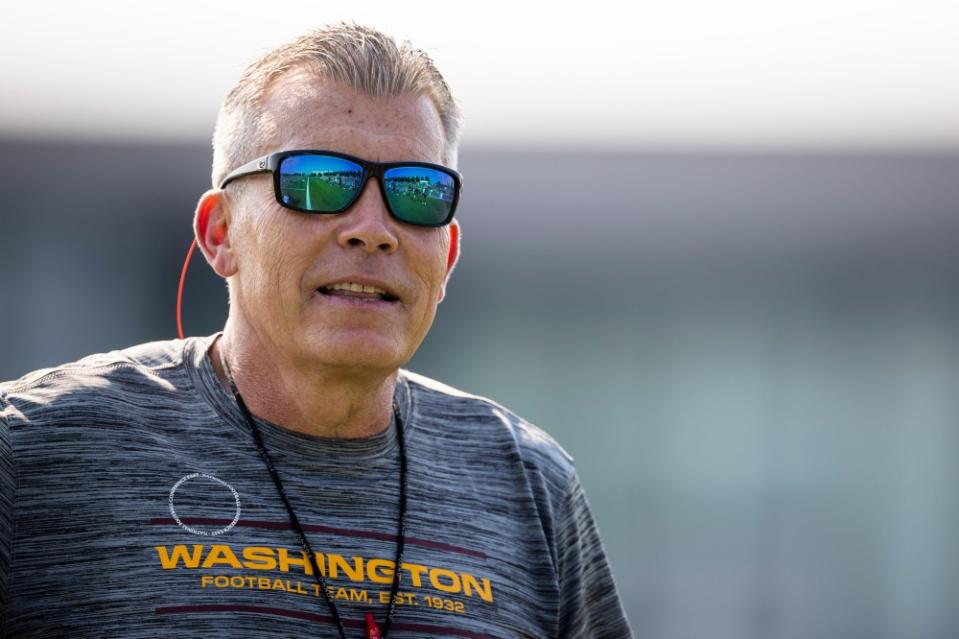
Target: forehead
{"points": [[304, 111]]}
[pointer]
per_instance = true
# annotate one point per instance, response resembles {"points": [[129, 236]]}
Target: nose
{"points": [[367, 224]]}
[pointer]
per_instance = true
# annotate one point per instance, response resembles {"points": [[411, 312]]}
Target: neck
{"points": [[309, 399]]}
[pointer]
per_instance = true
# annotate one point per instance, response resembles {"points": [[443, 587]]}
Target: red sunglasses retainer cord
{"points": [[179, 293]]}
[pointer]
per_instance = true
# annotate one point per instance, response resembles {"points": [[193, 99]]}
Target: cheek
{"points": [[433, 258], [266, 260]]}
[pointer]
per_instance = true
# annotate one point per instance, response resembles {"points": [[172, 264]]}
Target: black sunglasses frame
{"points": [[271, 163]]}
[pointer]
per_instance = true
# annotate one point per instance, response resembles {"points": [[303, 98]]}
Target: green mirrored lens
{"points": [[419, 194], [319, 183]]}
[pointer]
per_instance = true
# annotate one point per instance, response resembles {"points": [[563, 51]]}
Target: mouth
{"points": [[357, 291]]}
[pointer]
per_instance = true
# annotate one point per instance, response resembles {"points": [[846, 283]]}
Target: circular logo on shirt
{"points": [[204, 505]]}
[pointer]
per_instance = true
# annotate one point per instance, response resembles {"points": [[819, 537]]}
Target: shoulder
{"points": [[92, 380], [470, 417]]}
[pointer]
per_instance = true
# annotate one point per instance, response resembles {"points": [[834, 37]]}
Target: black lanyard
{"points": [[295, 522]]}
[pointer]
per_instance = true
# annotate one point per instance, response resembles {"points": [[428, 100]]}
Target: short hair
{"points": [[357, 56]]}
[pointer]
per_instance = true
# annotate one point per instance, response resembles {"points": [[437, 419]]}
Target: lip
{"points": [[365, 281]]}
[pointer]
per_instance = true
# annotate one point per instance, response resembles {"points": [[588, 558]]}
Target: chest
{"points": [[159, 541]]}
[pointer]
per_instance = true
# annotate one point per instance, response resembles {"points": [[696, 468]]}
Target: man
{"points": [[285, 477]]}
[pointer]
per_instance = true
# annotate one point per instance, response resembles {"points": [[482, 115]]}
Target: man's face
{"points": [[288, 261]]}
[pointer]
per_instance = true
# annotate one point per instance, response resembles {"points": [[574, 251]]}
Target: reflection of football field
{"points": [[314, 192], [426, 207], [320, 194]]}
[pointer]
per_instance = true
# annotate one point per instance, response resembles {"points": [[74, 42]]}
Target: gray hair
{"points": [[357, 56]]}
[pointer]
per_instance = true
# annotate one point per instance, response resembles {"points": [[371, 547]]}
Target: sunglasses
{"points": [[313, 181]]}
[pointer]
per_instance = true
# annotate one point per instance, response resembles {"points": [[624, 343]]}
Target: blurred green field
{"points": [[429, 207], [315, 191]]}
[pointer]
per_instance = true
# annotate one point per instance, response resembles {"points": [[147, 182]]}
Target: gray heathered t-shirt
{"points": [[134, 504]]}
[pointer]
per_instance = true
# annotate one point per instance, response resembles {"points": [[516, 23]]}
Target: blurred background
{"points": [[713, 248]]}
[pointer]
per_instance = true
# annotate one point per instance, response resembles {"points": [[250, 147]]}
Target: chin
{"points": [[369, 352]]}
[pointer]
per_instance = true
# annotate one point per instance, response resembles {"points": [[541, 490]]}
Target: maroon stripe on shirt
{"points": [[341, 532], [311, 616]]}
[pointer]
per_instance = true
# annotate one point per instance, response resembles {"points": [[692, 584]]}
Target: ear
{"points": [[453, 256], [211, 227]]}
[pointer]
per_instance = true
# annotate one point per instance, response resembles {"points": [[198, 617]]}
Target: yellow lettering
{"points": [[454, 585], [485, 591], [320, 562], [338, 563], [286, 561], [380, 571], [259, 558], [171, 560], [221, 554], [415, 570], [402, 598], [356, 569], [359, 595]]}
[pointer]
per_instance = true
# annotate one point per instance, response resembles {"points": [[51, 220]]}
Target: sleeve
{"points": [[8, 485], [590, 607]]}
